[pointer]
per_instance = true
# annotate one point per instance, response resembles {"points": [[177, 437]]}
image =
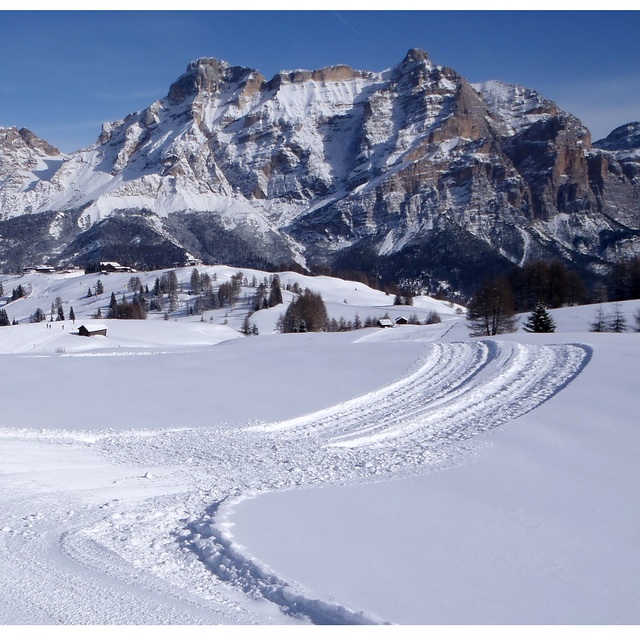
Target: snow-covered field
{"points": [[177, 472]]}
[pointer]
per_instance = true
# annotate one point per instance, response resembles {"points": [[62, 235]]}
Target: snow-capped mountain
{"points": [[410, 172]]}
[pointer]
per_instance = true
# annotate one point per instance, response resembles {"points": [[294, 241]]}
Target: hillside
{"points": [[179, 472]]}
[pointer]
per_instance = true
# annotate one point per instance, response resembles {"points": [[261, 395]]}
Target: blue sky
{"points": [[63, 73]]}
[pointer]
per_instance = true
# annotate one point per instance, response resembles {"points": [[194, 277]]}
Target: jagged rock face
{"points": [[25, 160], [327, 165], [624, 138], [615, 179]]}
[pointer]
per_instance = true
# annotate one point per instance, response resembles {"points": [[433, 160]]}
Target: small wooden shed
{"points": [[401, 320], [385, 323], [89, 330]]}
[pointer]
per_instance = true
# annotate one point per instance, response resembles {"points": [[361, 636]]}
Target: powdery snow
{"points": [[179, 473]]}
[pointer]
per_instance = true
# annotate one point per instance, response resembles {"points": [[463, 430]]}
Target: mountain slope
{"points": [[411, 172]]}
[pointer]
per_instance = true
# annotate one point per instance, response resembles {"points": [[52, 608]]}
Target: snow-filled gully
{"points": [[178, 547]]}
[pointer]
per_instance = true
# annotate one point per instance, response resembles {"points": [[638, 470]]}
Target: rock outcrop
{"points": [[410, 172]]}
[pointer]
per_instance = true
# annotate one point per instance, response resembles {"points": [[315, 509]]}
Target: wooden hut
{"points": [[89, 330]]}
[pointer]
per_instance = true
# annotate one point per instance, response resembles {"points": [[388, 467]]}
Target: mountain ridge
{"points": [[339, 168]]}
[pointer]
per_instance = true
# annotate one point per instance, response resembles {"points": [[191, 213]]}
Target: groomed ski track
{"points": [[176, 547]]}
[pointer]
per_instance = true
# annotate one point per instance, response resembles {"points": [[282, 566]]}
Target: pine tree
{"points": [[38, 315], [617, 323], [1, 289], [99, 288], [599, 323], [17, 293], [275, 296], [72, 315], [246, 327], [4, 318], [540, 321], [195, 281]]}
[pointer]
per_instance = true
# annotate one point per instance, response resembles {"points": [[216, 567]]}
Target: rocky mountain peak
{"points": [[624, 138], [11, 137], [388, 171], [415, 55], [207, 76]]}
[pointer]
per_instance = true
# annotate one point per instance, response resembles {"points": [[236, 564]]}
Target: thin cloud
{"points": [[348, 24]]}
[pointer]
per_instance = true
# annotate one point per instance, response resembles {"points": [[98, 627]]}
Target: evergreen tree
{"points": [[1, 289], [205, 283], [89, 294], [99, 288], [617, 322], [275, 296], [599, 323], [246, 326], [112, 302], [636, 317], [195, 281], [540, 321], [38, 315], [172, 283], [17, 293], [72, 315], [60, 314], [4, 318]]}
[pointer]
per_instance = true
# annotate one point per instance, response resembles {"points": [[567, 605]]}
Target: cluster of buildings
{"points": [[105, 267]]}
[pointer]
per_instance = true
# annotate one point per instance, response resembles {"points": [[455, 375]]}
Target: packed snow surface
{"points": [[178, 472]]}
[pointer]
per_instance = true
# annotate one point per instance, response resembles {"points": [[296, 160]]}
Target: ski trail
{"points": [[458, 390], [179, 547]]}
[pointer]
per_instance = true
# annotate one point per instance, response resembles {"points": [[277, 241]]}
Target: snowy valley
{"points": [[177, 471]]}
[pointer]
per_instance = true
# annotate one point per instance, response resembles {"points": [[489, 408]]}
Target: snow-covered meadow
{"points": [[178, 472]]}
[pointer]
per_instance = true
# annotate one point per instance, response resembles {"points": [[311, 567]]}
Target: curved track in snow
{"points": [[459, 390], [174, 551]]}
